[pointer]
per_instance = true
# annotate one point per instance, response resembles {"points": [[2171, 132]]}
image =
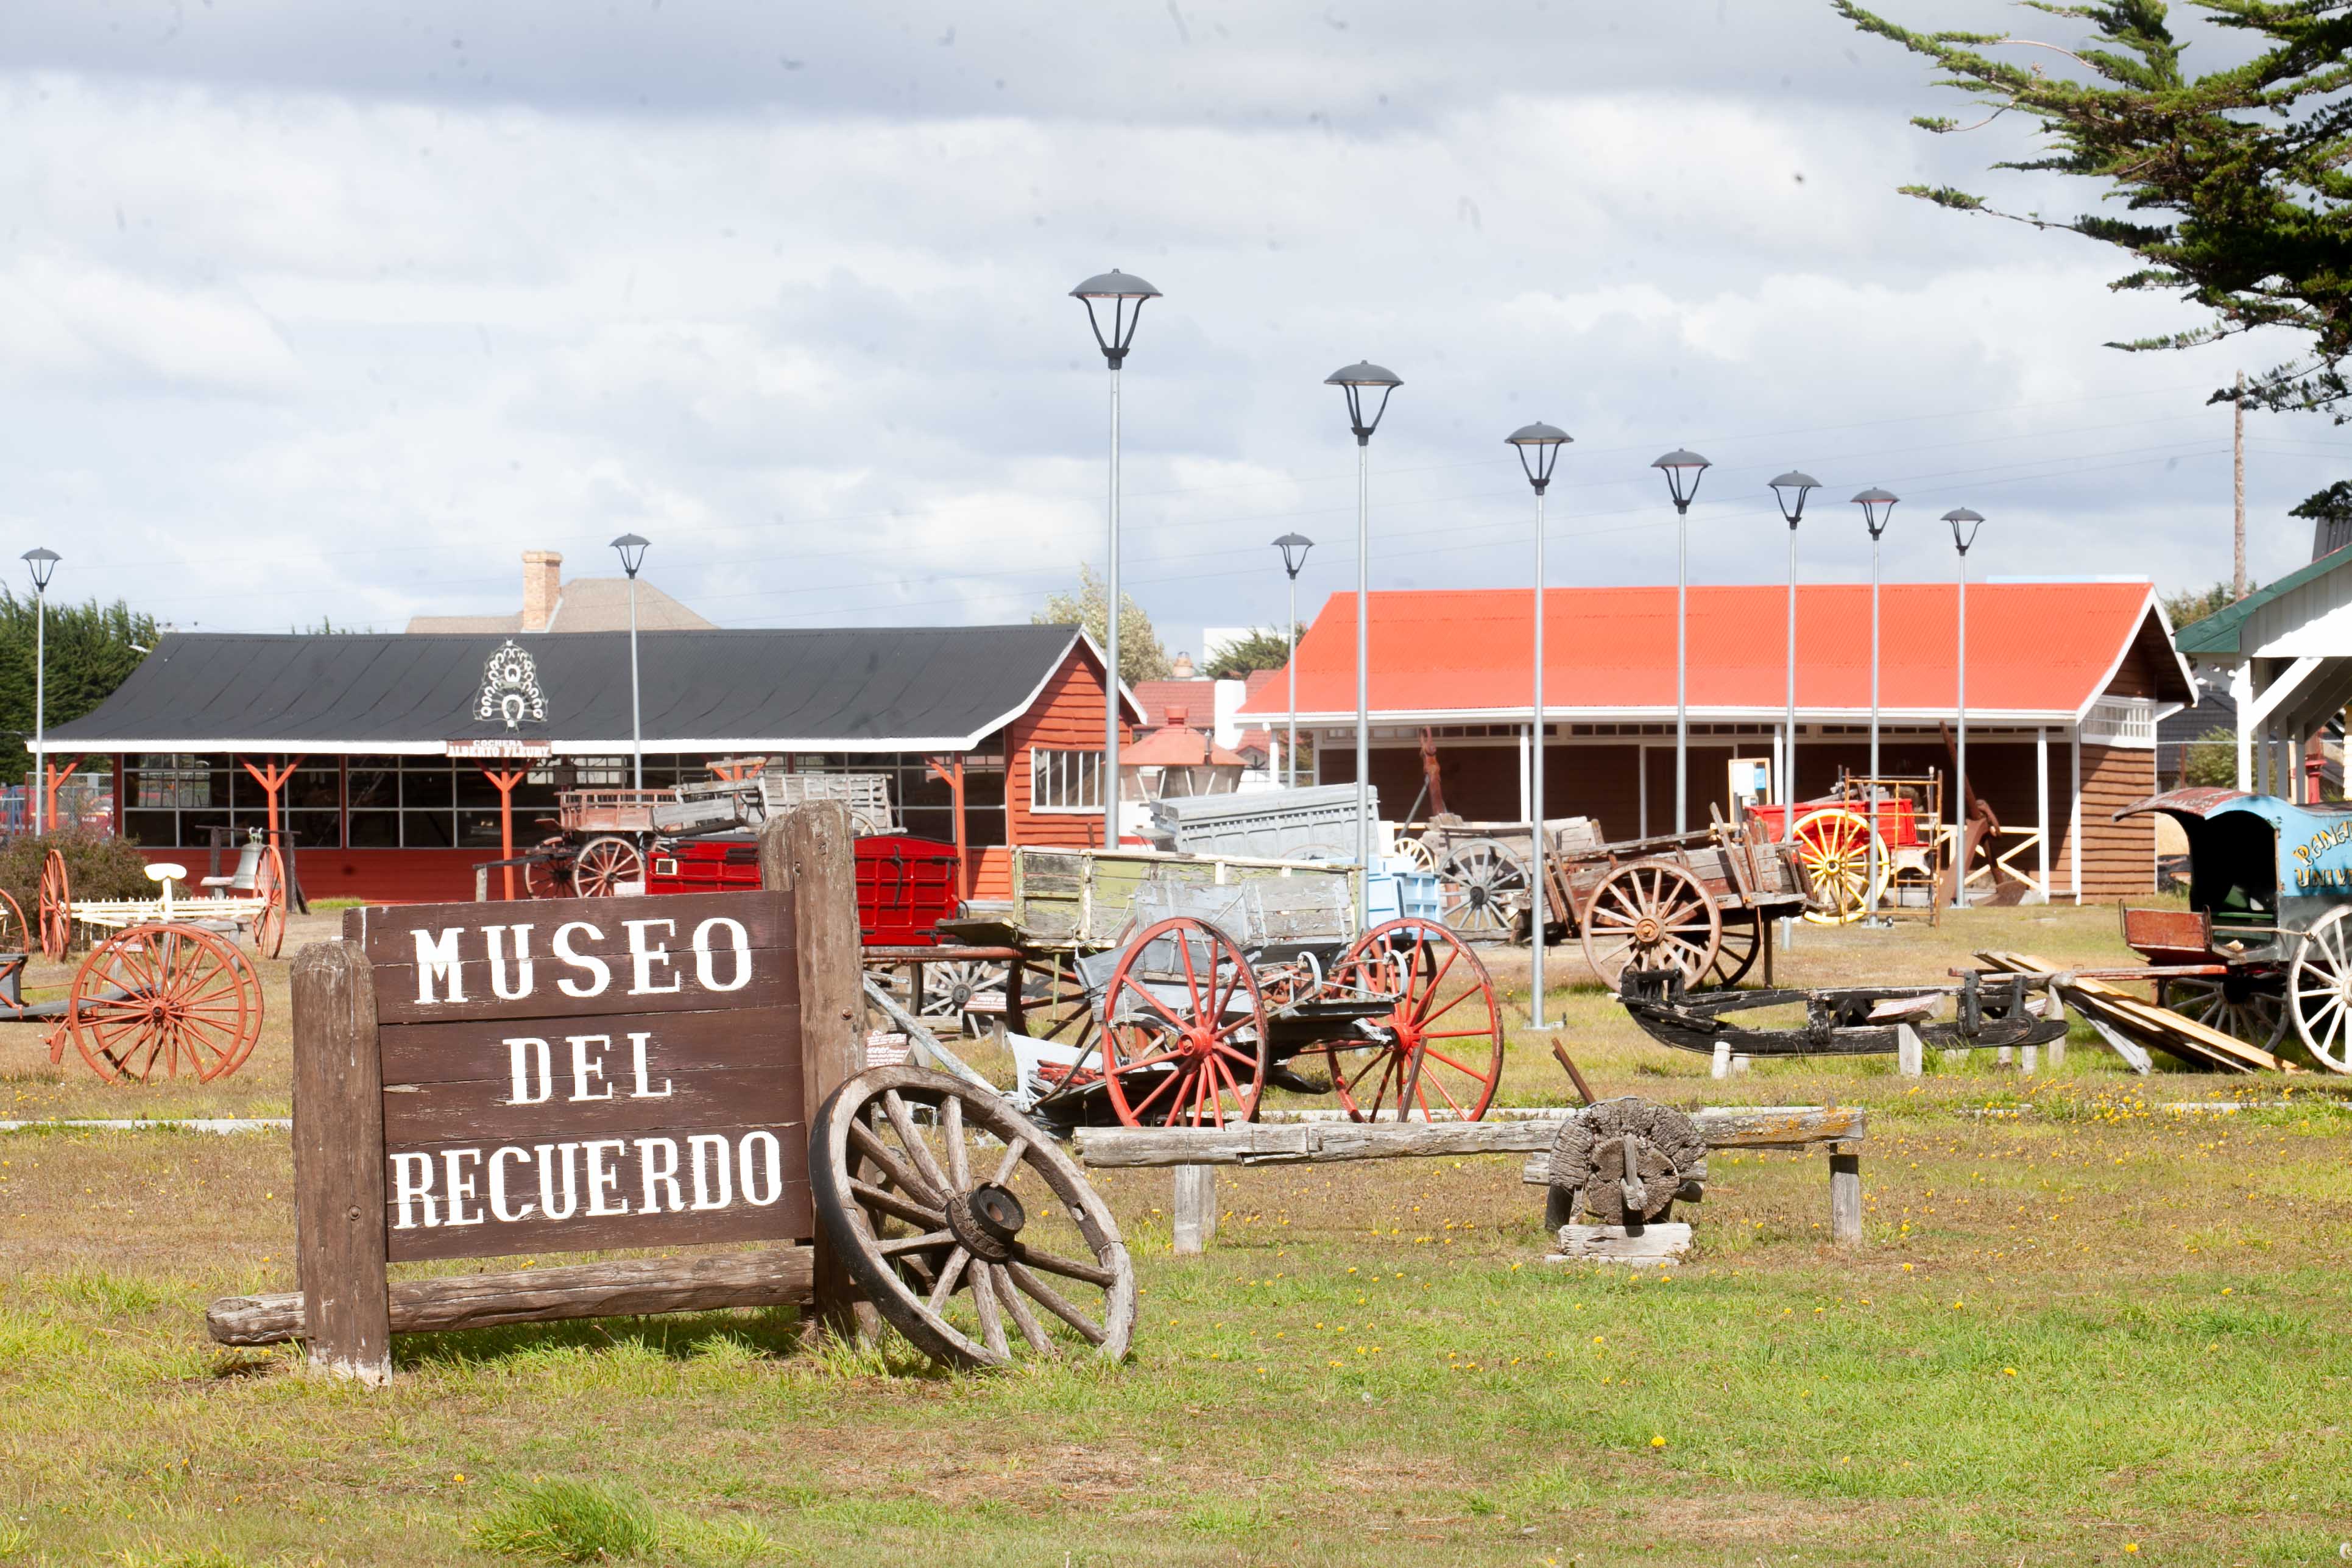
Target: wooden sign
{"points": [[488, 1079]]}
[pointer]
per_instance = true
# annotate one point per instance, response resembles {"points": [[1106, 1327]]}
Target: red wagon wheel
{"points": [[165, 996], [1184, 1033], [15, 936], [604, 862], [1651, 914], [269, 886], [1443, 1034], [56, 907]]}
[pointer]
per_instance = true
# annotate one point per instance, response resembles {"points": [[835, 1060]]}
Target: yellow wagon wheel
{"points": [[1834, 850]]}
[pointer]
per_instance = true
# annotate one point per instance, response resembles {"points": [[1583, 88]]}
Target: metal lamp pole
{"points": [[1539, 446], [1356, 380], [1293, 548], [1877, 506], [1803, 485], [1126, 294], [633, 555], [1683, 470], [1965, 524], [43, 563]]}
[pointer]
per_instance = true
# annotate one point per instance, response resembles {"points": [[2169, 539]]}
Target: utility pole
{"points": [[2238, 483]]}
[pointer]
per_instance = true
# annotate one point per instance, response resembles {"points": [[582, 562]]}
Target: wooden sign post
{"points": [[559, 1076]]}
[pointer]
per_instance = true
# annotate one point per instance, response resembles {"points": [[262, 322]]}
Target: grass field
{"points": [[2084, 1328]]}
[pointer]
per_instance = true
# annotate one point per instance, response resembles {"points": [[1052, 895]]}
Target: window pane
{"points": [[375, 787], [375, 830], [479, 829], [314, 787], [425, 829], [418, 787], [316, 829], [156, 829]]}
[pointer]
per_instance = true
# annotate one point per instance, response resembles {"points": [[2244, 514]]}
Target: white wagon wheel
{"points": [[1418, 851], [2252, 1008], [959, 992], [1651, 914], [1484, 890], [2319, 991]]}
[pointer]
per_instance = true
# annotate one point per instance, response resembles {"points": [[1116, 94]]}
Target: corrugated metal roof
{"points": [[862, 688], [2039, 649], [2222, 631]]}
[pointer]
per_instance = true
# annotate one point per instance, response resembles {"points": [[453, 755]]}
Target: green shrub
{"points": [[97, 867], [568, 1521]]}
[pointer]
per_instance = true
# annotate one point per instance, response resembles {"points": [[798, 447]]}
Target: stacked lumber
{"points": [[2117, 1012]]}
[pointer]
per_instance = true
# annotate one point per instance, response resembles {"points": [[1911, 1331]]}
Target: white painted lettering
{"points": [[436, 959], [642, 959], [497, 936], [582, 1069], [412, 1186], [739, 941], [461, 1189], [714, 1173], [563, 1153], [518, 1049], [644, 1089], [600, 1176], [498, 1185], [657, 1158], [772, 1165], [586, 962]]}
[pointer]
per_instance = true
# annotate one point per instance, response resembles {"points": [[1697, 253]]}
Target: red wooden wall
{"points": [[1068, 714]]}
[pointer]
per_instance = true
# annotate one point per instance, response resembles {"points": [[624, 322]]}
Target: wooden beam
{"points": [[338, 1223], [770, 1277]]}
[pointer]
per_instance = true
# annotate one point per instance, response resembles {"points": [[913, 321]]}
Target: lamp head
{"points": [[1965, 524], [1126, 292], [1683, 469], [633, 552], [1293, 548], [1798, 484], [1359, 381], [43, 562], [1876, 505], [1539, 446]]}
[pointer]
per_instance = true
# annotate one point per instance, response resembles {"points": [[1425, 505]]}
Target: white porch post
{"points": [[2242, 693], [2042, 807], [1527, 811], [2074, 816]]}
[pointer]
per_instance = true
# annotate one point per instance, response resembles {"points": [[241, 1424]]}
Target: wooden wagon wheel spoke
{"points": [[950, 1275], [1054, 1301], [897, 1207], [1415, 963], [1191, 1045], [874, 1148], [1009, 1297], [2319, 991], [991, 1323], [1650, 915], [163, 996], [923, 1243]]}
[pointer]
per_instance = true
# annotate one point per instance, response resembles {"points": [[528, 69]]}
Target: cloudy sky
{"points": [[330, 310]]}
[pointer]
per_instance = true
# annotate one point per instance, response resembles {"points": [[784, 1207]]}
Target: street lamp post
{"points": [[1357, 380], [1125, 295], [1293, 548], [1802, 485], [1965, 524], [43, 562], [1539, 446], [1877, 506], [633, 555], [1683, 470]]}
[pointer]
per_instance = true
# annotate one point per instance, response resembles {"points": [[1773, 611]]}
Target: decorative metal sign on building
{"points": [[510, 690]]}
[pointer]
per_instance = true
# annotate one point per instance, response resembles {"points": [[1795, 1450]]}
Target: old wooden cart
{"points": [[1177, 989], [1833, 846], [252, 901], [166, 991], [604, 837]]}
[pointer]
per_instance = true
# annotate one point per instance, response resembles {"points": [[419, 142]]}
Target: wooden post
{"points": [[1845, 1197], [57, 776], [807, 851], [2029, 1060], [1721, 1067], [1910, 1052], [340, 1239], [950, 774], [1196, 1208], [2041, 809], [505, 782]]}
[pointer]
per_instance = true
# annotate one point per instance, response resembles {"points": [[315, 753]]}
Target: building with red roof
{"points": [[2066, 682]]}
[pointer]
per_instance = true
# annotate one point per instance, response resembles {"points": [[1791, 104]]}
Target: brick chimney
{"points": [[543, 583], [1180, 716]]}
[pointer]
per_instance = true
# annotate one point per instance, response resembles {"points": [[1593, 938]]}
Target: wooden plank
{"points": [[1195, 1209], [415, 1054], [1652, 1243], [789, 1217], [403, 1000], [1845, 1197], [339, 1215], [387, 934], [2152, 1025], [770, 1277]]}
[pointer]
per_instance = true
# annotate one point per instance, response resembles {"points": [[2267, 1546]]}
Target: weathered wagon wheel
{"points": [[55, 907], [1444, 1032], [15, 936], [950, 1239], [1743, 939], [2248, 1008], [1484, 890], [1418, 851], [1623, 1162], [2319, 991], [167, 996], [1833, 849], [1184, 1029], [953, 990], [1651, 914], [547, 873], [604, 862], [269, 886]]}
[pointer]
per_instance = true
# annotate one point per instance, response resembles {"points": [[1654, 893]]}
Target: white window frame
{"points": [[1064, 775]]}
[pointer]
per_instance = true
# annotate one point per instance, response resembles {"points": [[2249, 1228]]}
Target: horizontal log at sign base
{"points": [[771, 1277], [1660, 1244], [1257, 1143]]}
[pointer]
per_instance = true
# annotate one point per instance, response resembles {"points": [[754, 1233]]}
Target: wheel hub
{"points": [[1646, 931], [986, 1221]]}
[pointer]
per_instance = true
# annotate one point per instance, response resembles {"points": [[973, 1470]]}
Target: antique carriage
{"points": [[2266, 937], [1832, 845]]}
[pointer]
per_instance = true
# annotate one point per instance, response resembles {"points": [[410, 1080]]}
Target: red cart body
{"points": [[906, 885]]}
